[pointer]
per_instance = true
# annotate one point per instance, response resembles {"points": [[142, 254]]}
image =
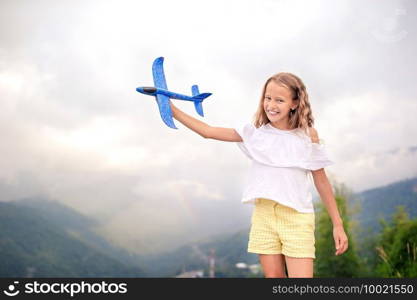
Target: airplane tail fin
{"points": [[194, 90], [198, 99]]}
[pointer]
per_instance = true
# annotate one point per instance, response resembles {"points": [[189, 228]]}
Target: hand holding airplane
{"points": [[162, 95]]}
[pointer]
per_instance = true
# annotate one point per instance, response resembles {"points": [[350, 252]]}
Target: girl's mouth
{"points": [[272, 113]]}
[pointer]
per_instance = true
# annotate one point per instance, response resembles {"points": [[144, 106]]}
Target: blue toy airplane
{"points": [[162, 95]]}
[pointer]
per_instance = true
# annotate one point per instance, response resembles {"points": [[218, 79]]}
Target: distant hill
{"points": [[381, 203], [41, 238], [46, 239]]}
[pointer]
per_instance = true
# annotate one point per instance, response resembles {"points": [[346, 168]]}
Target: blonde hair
{"points": [[302, 116]]}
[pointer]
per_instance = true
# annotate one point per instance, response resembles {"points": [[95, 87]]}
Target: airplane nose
{"points": [[149, 90]]}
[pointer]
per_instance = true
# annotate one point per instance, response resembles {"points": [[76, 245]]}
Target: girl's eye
{"points": [[269, 98]]}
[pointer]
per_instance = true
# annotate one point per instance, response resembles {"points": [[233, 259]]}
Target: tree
{"points": [[397, 247], [327, 264]]}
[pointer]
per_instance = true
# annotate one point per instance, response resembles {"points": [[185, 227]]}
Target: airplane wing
{"points": [[163, 101], [165, 110], [158, 73]]}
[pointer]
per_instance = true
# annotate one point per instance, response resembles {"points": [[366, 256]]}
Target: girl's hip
{"points": [[268, 210]]}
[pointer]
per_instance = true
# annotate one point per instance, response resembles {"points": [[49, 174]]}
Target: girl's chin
{"points": [[273, 117]]}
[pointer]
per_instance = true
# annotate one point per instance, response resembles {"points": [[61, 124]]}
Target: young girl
{"points": [[284, 149]]}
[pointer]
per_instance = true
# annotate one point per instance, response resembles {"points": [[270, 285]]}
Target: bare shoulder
{"points": [[314, 135]]}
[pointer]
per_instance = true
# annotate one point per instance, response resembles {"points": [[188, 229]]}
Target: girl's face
{"points": [[277, 104]]}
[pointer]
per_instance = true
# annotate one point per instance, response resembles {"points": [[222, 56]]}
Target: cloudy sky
{"points": [[75, 130]]}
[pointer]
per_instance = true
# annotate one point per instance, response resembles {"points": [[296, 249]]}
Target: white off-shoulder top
{"points": [[282, 161]]}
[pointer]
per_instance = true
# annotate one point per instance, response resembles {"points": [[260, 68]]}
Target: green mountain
{"points": [[42, 238], [46, 239], [381, 202]]}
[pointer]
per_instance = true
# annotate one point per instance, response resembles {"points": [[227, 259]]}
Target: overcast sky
{"points": [[75, 130]]}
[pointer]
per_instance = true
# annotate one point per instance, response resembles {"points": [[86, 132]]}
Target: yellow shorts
{"points": [[279, 229]]}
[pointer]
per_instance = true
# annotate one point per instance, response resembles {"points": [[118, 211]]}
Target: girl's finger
{"points": [[337, 240], [337, 245], [344, 247]]}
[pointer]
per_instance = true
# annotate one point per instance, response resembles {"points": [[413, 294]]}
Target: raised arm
{"points": [[203, 129]]}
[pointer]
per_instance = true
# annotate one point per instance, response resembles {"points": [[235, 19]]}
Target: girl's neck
{"points": [[281, 125]]}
